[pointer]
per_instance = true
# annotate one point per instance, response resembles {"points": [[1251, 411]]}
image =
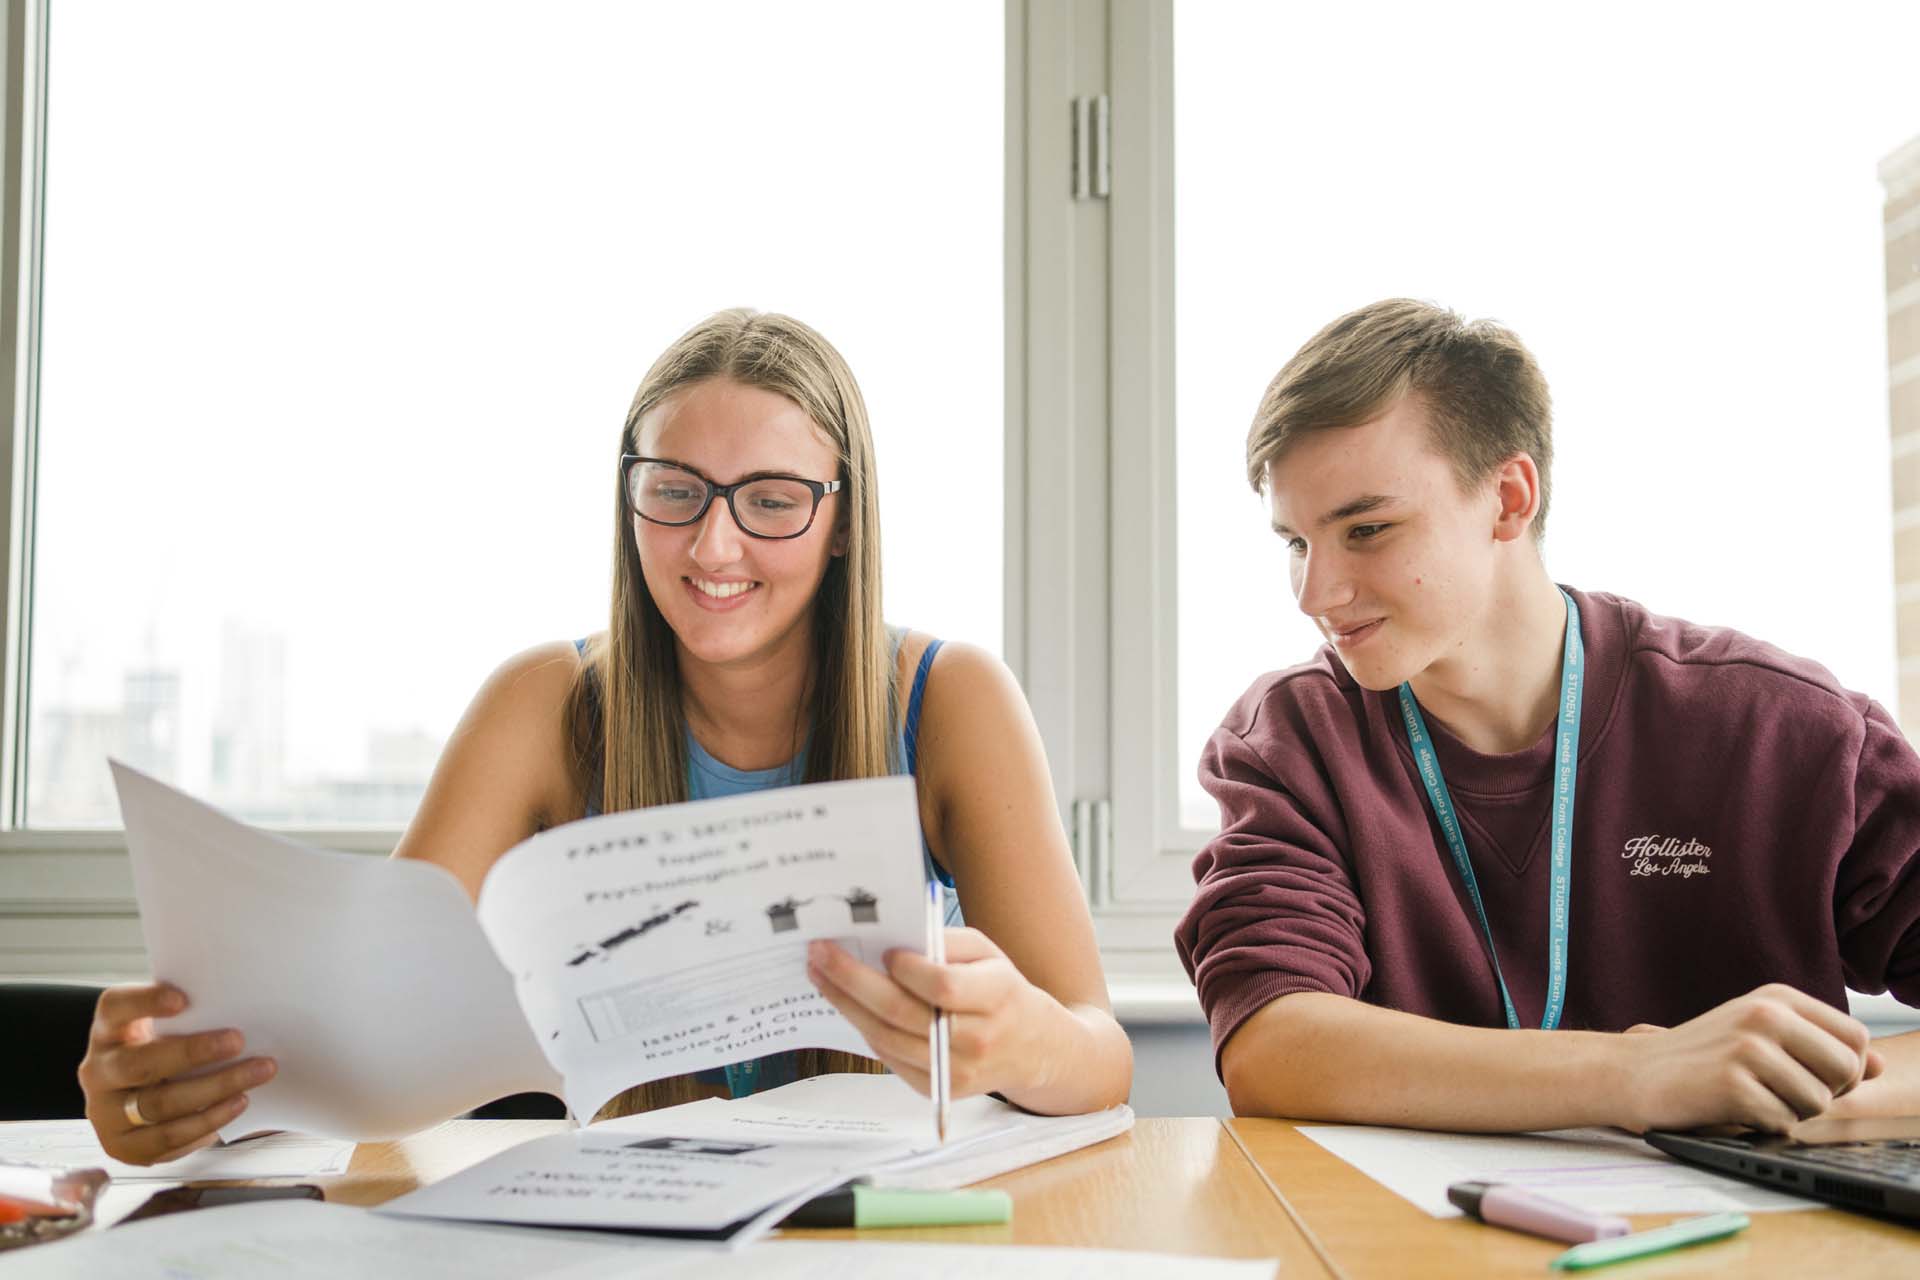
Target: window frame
{"points": [[24, 107], [1095, 649], [1152, 852]]}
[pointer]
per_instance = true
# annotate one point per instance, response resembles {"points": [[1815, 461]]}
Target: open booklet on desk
{"points": [[604, 953], [728, 1170]]}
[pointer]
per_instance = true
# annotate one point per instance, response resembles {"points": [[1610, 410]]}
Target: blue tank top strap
{"points": [[910, 744], [913, 705]]}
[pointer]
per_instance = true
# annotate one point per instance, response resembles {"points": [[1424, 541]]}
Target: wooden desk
{"points": [[1363, 1230], [1169, 1186]]}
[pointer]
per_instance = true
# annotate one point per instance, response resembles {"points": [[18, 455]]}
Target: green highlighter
{"points": [[863, 1206], [1677, 1235]]}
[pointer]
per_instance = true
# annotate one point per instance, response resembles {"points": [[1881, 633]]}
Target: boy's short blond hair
{"points": [[1485, 397]]}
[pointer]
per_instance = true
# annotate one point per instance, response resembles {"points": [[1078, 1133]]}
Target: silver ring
{"points": [[131, 1109]]}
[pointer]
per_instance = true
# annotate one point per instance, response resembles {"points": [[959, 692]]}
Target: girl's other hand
{"points": [[146, 1103]]}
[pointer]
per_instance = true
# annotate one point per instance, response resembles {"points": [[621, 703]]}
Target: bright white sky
{"points": [[1677, 208], [345, 303]]}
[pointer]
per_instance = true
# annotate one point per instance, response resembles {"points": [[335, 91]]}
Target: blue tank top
{"points": [[709, 778]]}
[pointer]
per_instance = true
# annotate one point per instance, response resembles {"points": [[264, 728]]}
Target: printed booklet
{"points": [[729, 1170], [603, 953]]}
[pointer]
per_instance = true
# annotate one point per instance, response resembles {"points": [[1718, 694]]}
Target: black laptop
{"points": [[1871, 1165]]}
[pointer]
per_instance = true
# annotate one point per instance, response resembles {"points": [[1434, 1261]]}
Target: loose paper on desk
{"points": [[729, 1169], [309, 1238], [1598, 1170], [605, 953], [985, 1136], [71, 1144], [859, 1259]]}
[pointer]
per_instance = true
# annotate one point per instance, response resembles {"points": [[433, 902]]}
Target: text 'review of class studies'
{"points": [[725, 1169], [604, 953]]}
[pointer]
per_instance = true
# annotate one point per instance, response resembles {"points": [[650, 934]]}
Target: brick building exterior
{"points": [[1900, 174]]}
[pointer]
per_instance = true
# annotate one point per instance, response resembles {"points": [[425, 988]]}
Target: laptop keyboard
{"points": [[1896, 1159]]}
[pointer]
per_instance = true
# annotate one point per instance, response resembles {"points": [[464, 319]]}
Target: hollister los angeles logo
{"points": [[1666, 856]]}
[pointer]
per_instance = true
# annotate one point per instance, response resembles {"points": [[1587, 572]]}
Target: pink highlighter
{"points": [[1506, 1206]]}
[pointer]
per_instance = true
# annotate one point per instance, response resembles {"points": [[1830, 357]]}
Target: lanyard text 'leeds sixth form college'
{"points": [[1566, 756]]}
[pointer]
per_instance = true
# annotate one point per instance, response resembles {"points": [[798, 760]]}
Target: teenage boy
{"points": [[1496, 824]]}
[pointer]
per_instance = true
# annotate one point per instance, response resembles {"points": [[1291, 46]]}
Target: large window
{"points": [[1676, 207], [332, 313], [343, 307]]}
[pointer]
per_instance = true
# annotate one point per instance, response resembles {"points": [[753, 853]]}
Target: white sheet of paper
{"points": [[118, 1199], [882, 1109], [985, 1136], [861, 1259], [1598, 1170], [367, 979], [670, 1180], [709, 1164], [308, 1238], [654, 942], [72, 1144]]}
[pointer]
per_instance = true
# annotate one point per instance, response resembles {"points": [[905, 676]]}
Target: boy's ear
{"points": [[1517, 486]]}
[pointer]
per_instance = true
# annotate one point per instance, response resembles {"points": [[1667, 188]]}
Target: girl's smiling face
{"points": [[727, 595]]}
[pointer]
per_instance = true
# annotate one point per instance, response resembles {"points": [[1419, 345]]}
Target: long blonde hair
{"points": [[636, 743], [626, 718]]}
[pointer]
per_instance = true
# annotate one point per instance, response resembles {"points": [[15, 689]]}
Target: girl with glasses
{"points": [[745, 649]]}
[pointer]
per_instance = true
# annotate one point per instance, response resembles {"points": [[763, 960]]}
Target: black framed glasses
{"points": [[768, 505]]}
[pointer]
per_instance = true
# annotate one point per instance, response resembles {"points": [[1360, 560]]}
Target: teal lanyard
{"points": [[1566, 759], [743, 1078]]}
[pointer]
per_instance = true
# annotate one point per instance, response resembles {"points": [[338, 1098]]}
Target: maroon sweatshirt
{"points": [[1739, 819]]}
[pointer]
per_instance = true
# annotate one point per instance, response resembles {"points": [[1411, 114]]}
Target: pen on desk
{"points": [[1675, 1235], [1506, 1206], [940, 1030], [862, 1206]]}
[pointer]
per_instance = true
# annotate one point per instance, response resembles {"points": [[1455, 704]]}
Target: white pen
{"points": [[939, 1032]]}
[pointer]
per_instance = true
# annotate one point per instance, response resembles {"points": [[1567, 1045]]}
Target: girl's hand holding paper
{"points": [[999, 1041], [151, 1097]]}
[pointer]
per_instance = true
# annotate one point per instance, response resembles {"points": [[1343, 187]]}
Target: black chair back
{"points": [[46, 1036], [521, 1106]]}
